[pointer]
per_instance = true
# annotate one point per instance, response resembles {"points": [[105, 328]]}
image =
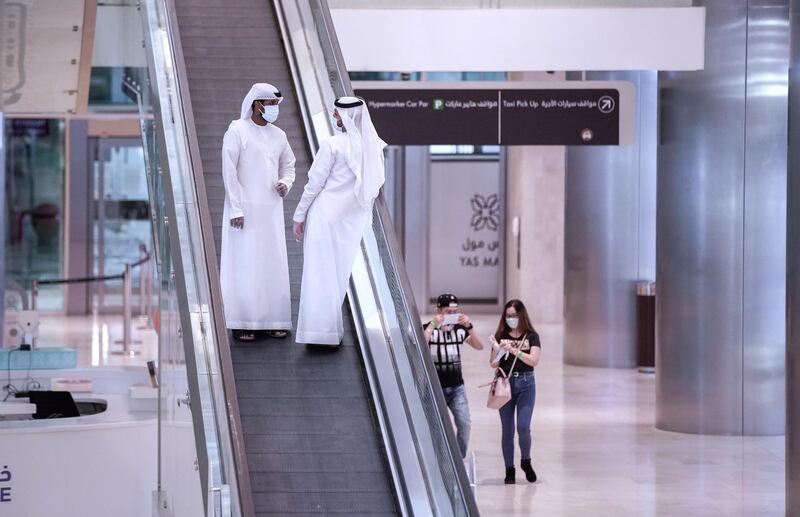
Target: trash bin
{"points": [[646, 326]]}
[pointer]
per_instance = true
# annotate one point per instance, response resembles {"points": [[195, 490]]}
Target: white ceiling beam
{"points": [[508, 40]]}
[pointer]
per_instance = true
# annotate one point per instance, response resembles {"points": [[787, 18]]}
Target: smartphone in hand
{"points": [[451, 319], [501, 353]]}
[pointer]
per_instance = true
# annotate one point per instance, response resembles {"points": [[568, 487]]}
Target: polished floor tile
{"points": [[596, 451], [595, 448]]}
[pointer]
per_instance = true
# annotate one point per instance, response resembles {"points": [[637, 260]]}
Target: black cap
{"points": [[446, 300]]}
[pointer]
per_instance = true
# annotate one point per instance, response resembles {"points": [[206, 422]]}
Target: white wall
{"points": [[70, 472], [500, 4], [535, 194], [487, 40]]}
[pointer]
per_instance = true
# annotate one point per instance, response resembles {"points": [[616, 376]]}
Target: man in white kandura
{"points": [[258, 171], [333, 213]]}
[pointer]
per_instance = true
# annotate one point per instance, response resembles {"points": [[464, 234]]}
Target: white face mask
{"points": [[512, 322], [270, 113]]}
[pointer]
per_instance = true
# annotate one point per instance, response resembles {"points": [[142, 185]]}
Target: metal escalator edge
{"points": [[232, 416], [223, 345], [242, 471], [311, 135], [369, 363], [395, 263], [390, 256], [380, 401]]}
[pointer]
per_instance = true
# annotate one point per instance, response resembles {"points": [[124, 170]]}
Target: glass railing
{"points": [[179, 491], [196, 314]]}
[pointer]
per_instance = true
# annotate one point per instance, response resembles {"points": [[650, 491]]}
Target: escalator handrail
{"points": [[234, 420], [397, 269], [393, 265], [393, 259]]}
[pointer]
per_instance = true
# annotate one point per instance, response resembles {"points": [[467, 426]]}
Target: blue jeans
{"points": [[456, 398], [523, 397]]}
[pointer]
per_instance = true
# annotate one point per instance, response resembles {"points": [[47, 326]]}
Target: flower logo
{"points": [[485, 212]]}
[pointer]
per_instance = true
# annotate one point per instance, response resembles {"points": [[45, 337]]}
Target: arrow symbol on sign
{"points": [[605, 104]]}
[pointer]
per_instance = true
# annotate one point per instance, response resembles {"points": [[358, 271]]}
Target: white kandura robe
{"points": [[334, 226], [254, 270]]}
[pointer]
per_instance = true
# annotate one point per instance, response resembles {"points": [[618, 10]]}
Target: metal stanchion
{"points": [[34, 303], [142, 271], [127, 295], [34, 294], [127, 313], [145, 292], [145, 297], [149, 280], [473, 476]]}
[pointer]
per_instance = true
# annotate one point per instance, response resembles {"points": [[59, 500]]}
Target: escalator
{"points": [[282, 428], [311, 440]]}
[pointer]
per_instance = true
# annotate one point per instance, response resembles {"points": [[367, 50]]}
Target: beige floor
{"points": [[594, 445], [597, 453]]}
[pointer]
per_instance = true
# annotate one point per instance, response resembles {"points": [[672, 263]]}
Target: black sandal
{"points": [[278, 334], [244, 335]]}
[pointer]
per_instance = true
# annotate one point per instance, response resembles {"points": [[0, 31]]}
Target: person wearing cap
{"points": [[331, 217], [258, 172], [445, 339]]}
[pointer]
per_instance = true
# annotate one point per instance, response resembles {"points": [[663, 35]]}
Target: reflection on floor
{"points": [[95, 338], [597, 453]]}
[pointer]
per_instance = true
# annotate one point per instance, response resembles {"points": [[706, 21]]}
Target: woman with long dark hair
{"points": [[516, 351]]}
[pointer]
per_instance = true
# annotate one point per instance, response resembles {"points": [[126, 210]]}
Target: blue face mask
{"points": [[270, 113]]}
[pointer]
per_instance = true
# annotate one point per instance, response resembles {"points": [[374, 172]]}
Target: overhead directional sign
{"points": [[573, 115], [421, 117], [559, 117]]}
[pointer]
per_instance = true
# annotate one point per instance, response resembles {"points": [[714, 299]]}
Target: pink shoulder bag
{"points": [[500, 387]]}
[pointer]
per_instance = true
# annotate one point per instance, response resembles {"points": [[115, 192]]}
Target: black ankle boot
{"points": [[530, 475], [510, 476]]}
